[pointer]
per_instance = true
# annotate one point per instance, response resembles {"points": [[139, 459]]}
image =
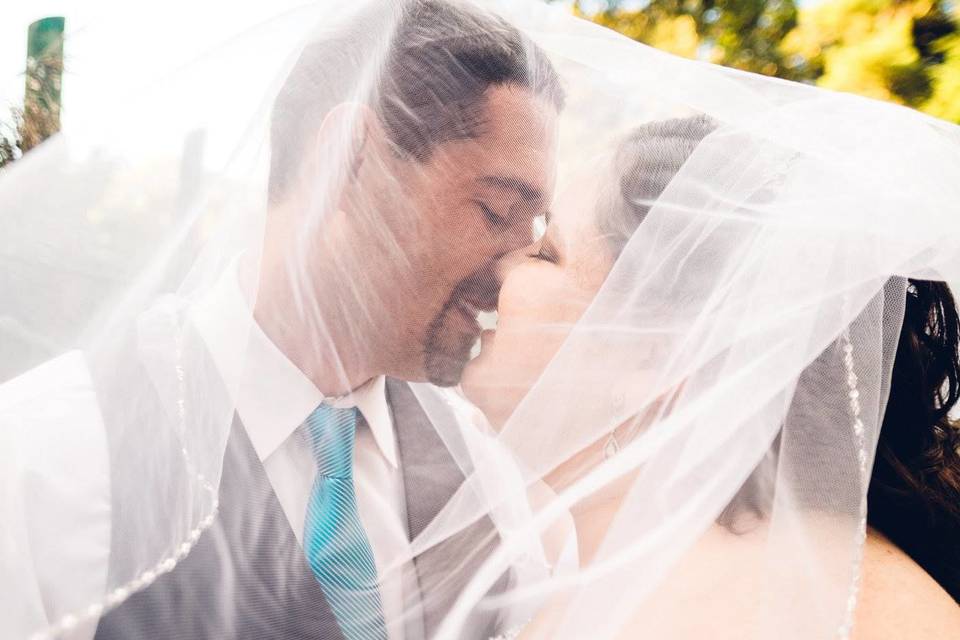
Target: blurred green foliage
{"points": [[903, 51], [738, 33], [39, 118]]}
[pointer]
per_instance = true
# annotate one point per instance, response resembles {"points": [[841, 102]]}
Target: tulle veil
{"points": [[744, 334]]}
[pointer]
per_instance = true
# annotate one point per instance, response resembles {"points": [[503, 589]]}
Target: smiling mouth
{"points": [[471, 308], [471, 312], [478, 306], [480, 336], [471, 299]]}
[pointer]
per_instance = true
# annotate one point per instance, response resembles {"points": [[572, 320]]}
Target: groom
{"points": [[387, 215]]}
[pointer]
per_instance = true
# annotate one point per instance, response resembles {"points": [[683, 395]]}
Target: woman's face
{"points": [[545, 289]]}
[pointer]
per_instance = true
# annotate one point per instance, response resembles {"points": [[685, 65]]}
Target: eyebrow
{"points": [[525, 189]]}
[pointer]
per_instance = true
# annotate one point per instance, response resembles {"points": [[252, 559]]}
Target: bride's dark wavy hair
{"points": [[914, 494]]}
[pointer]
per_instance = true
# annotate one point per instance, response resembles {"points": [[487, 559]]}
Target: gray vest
{"points": [[247, 577]]}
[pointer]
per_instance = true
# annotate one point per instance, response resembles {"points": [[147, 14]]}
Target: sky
{"points": [[140, 43], [143, 41]]}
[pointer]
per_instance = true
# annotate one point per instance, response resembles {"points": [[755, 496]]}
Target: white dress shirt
{"points": [[273, 398]]}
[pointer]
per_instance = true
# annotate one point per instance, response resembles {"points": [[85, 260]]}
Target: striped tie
{"points": [[334, 542]]}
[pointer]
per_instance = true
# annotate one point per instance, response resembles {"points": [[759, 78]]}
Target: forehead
{"points": [[516, 139]]}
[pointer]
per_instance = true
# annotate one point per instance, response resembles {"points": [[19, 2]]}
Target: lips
{"points": [[479, 304], [486, 337], [469, 315], [474, 296], [472, 307]]}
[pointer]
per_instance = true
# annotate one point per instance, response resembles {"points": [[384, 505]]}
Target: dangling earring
{"points": [[611, 447]]}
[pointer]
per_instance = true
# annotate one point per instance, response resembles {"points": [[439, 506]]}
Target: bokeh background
{"points": [[902, 51]]}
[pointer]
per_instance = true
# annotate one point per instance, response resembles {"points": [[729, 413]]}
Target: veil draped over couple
{"points": [[407, 319]]}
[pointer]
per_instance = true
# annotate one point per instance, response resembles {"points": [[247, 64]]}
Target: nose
{"points": [[516, 236], [507, 263]]}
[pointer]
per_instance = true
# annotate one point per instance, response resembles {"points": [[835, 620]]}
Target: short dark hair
{"points": [[441, 59]]}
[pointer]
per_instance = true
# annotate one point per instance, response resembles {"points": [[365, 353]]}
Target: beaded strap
{"points": [[853, 395], [512, 633], [117, 596]]}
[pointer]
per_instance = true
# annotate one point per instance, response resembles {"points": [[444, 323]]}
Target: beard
{"points": [[454, 330]]}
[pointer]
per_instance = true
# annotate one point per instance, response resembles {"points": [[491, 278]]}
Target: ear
{"points": [[350, 132]]}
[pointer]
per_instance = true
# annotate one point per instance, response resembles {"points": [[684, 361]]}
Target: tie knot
{"points": [[331, 432]]}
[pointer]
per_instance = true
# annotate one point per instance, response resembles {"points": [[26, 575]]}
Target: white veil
{"points": [[744, 330]]}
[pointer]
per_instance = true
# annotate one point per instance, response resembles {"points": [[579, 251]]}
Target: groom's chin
{"points": [[449, 342], [446, 356], [445, 370]]}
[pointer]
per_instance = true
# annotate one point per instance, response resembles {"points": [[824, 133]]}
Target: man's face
{"points": [[469, 204]]}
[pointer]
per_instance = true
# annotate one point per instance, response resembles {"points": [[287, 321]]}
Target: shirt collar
{"points": [[272, 396], [371, 399]]}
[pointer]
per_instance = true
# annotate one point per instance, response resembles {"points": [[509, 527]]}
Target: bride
{"points": [[910, 582], [716, 402]]}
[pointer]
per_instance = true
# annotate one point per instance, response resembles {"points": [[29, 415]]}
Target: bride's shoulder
{"points": [[898, 599]]}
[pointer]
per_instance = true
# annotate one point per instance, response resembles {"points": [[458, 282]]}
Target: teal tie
{"points": [[334, 542]]}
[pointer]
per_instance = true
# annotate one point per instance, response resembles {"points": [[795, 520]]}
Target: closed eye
{"points": [[492, 218]]}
